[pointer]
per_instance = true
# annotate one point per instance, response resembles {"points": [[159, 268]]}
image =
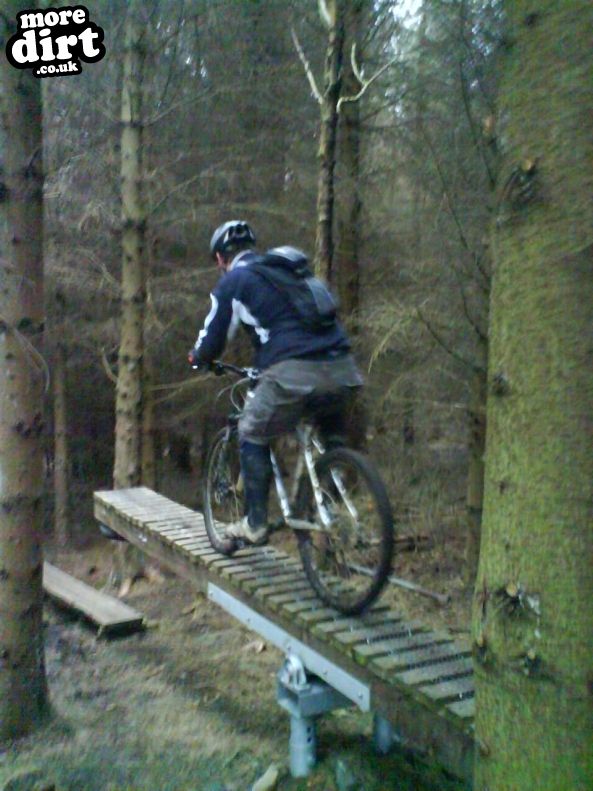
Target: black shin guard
{"points": [[256, 469]]}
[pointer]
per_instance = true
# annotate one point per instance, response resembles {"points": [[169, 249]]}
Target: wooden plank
{"points": [[450, 689], [465, 709], [406, 636], [430, 674], [177, 535], [267, 570], [345, 622], [191, 543], [279, 588], [296, 594], [422, 656], [254, 585], [109, 614], [383, 631]]}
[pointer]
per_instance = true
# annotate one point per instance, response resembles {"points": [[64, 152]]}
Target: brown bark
{"points": [[60, 449], [128, 406], [148, 462], [349, 201], [475, 473], [23, 692], [326, 154]]}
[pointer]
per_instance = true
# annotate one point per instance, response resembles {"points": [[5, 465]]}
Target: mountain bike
{"points": [[338, 506]]}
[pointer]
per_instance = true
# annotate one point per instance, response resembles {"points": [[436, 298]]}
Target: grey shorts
{"points": [[287, 390]]}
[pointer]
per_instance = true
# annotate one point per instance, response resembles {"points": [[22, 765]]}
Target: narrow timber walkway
{"points": [[418, 679]]}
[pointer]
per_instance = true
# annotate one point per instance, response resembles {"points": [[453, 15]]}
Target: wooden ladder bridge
{"points": [[416, 679]]}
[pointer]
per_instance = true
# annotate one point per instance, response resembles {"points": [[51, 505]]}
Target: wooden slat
{"points": [[420, 656], [451, 689], [109, 614], [296, 594], [278, 588], [466, 709], [396, 645], [429, 674], [387, 629]]}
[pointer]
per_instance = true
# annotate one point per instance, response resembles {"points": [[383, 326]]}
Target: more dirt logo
{"points": [[52, 42]]}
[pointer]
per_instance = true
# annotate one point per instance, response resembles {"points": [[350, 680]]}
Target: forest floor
{"points": [[189, 704]]}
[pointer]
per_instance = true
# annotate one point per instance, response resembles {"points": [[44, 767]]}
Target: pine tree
{"points": [[23, 695], [533, 620]]}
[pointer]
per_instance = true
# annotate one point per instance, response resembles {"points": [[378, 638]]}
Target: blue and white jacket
{"points": [[244, 297]]}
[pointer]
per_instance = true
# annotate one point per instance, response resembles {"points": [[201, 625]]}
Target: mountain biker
{"points": [[301, 369]]}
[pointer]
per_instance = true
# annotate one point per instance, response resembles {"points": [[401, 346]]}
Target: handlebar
{"points": [[219, 368]]}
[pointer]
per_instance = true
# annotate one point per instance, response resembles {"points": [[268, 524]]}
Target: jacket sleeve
{"points": [[213, 335]]}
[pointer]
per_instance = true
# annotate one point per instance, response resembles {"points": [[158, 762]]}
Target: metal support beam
{"points": [[384, 735], [337, 678], [305, 697]]}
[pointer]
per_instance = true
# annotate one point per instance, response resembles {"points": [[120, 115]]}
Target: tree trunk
{"points": [[23, 692], [148, 428], [326, 154], [476, 415], [349, 208], [128, 406], [60, 449], [533, 620]]}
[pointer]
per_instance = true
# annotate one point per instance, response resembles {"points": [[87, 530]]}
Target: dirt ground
{"points": [[187, 705]]}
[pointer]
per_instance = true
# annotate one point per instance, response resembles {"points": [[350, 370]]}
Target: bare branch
{"points": [[476, 136], [176, 188], [444, 346], [476, 327], [325, 15], [355, 70], [365, 84], [447, 196], [107, 368], [307, 67]]}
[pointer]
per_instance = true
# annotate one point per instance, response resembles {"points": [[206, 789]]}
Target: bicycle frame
{"points": [[308, 443]]}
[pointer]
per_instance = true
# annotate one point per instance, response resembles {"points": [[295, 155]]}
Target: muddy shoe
{"points": [[243, 530]]}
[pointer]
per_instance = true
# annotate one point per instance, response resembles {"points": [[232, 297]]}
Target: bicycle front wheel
{"points": [[348, 560], [224, 501]]}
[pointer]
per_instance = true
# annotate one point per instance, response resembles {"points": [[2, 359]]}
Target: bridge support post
{"points": [[305, 697], [384, 735]]}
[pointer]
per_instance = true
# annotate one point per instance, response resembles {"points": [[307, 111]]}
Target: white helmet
{"points": [[231, 235]]}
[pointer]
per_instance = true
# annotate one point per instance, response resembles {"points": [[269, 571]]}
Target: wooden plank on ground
{"points": [[109, 614]]}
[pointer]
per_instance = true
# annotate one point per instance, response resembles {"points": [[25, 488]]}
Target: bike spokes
{"points": [[359, 533]]}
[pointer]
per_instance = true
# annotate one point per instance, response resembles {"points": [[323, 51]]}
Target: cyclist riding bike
{"points": [[305, 365]]}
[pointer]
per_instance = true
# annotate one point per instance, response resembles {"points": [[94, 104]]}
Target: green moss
{"points": [[534, 708]]}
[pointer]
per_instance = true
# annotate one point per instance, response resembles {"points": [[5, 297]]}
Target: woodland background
{"points": [[230, 128]]}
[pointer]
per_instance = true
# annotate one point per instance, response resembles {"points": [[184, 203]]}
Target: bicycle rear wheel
{"points": [[347, 562], [223, 490]]}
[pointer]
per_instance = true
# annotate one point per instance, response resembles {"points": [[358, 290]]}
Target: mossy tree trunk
{"points": [[129, 391], [326, 153], [533, 620], [23, 695], [60, 448]]}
